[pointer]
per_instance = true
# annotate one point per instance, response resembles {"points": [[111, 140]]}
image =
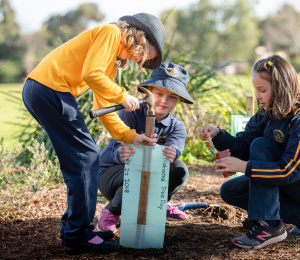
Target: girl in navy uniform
{"points": [[89, 60], [268, 152], [168, 86]]}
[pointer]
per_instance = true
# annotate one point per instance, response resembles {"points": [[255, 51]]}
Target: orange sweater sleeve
{"points": [[103, 52], [105, 90], [112, 122], [99, 66], [88, 61]]}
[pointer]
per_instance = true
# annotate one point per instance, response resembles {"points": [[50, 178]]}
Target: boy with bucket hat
{"points": [[90, 60], [168, 85]]}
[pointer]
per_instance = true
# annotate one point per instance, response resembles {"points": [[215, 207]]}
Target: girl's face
{"points": [[164, 102], [263, 90], [152, 53]]}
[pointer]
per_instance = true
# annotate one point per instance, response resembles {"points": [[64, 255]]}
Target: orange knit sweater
{"points": [[89, 61]]}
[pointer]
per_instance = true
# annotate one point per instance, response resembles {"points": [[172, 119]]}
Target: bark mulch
{"points": [[32, 232]]}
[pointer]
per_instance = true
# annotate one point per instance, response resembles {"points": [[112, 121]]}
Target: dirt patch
{"points": [[32, 232]]}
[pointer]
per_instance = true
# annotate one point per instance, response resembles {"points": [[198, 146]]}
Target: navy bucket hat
{"points": [[172, 77], [155, 32]]}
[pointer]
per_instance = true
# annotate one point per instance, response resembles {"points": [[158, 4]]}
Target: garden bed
{"points": [[32, 232]]}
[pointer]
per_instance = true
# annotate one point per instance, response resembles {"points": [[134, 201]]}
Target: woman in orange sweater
{"points": [[89, 60]]}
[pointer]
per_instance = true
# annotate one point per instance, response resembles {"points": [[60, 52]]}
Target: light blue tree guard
{"points": [[152, 234], [238, 124]]}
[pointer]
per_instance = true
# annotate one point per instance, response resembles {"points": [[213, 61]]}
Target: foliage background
{"points": [[216, 41]]}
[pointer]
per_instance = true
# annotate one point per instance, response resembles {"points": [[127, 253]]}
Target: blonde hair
{"points": [[285, 87], [135, 41]]}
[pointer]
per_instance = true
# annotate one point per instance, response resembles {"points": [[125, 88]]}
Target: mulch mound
{"points": [[32, 232]]}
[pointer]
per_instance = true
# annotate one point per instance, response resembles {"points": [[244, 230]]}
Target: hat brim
{"points": [[153, 64], [148, 64], [174, 88]]}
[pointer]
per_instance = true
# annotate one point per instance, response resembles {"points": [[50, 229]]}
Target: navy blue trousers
{"points": [[264, 202], [77, 152], [111, 183]]}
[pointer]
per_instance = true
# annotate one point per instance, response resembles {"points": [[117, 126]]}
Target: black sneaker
{"points": [[261, 235], [104, 248], [105, 235], [296, 229]]}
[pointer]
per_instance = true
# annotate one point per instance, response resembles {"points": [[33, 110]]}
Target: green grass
{"points": [[9, 111], [243, 81]]}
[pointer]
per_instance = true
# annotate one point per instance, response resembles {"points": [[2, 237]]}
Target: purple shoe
{"points": [[107, 221], [174, 213]]}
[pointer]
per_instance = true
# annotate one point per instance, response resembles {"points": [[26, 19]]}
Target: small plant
{"points": [[8, 156], [18, 183], [41, 170]]}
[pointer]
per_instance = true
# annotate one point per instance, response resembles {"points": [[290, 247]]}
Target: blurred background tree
{"points": [[57, 30], [10, 49], [216, 30], [9, 31], [61, 28], [280, 33], [212, 39], [220, 32]]}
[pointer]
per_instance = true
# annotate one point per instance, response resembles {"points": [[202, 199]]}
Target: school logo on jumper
{"points": [[161, 140], [278, 136], [172, 72]]}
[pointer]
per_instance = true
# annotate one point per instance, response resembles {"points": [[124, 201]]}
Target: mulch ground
{"points": [[32, 232]]}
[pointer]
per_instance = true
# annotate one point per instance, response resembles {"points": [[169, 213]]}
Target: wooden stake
{"points": [[250, 106], [145, 176]]}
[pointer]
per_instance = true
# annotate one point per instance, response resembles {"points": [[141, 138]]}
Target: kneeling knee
{"points": [[224, 192]]}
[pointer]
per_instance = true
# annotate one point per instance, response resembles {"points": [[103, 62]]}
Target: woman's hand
{"points": [[170, 153], [144, 140], [230, 165], [208, 130], [125, 152], [131, 103]]}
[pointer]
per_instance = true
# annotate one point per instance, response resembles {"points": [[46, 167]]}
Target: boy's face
{"points": [[164, 102]]}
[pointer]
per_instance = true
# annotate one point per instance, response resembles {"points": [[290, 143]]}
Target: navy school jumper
{"points": [[270, 189], [170, 131]]}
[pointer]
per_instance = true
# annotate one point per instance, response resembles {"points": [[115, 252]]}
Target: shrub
{"points": [[15, 181]]}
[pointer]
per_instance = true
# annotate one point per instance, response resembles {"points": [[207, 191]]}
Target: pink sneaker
{"points": [[107, 221], [174, 213]]}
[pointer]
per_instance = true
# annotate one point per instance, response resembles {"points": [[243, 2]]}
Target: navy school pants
{"points": [[111, 183], [77, 152], [264, 202]]}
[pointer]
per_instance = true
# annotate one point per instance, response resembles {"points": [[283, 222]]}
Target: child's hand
{"points": [[222, 154], [230, 165], [142, 139], [208, 130], [170, 153], [125, 152], [227, 174], [131, 103]]}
